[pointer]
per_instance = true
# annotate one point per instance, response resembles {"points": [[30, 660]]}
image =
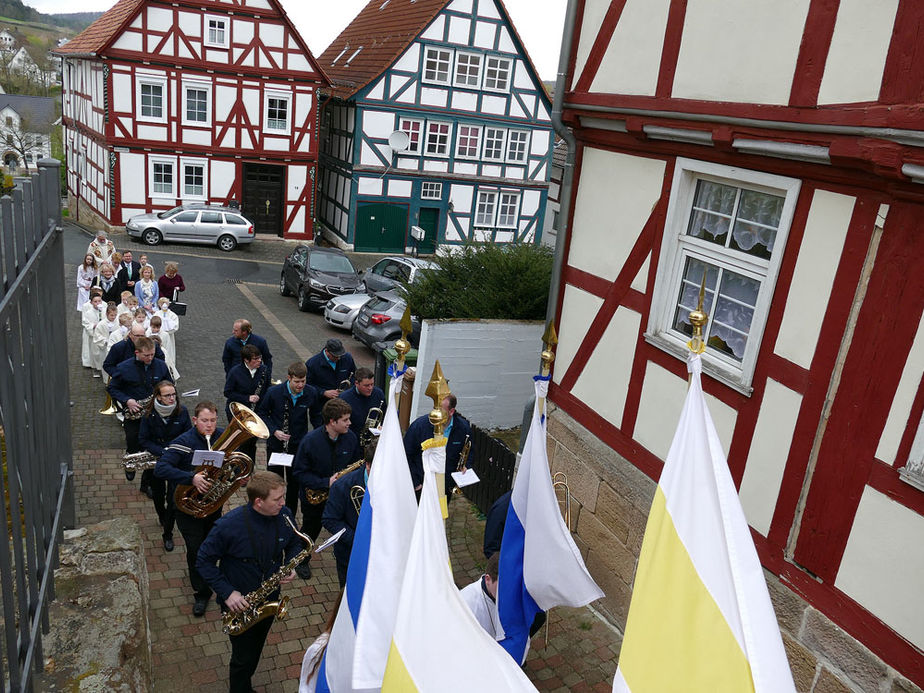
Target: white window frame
{"points": [[162, 160], [150, 80], [485, 222], [449, 66], [525, 158], [421, 135], [448, 144], [198, 86], [433, 192], [282, 96], [677, 246], [455, 71], [207, 31], [484, 144], [514, 200], [181, 179], [485, 79], [477, 137]]}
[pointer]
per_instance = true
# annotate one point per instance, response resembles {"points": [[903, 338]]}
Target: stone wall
{"points": [[88, 216], [99, 638], [610, 502]]}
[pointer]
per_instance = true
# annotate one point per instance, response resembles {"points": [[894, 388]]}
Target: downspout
{"points": [[564, 194]]}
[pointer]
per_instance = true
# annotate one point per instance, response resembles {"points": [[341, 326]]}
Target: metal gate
{"points": [[36, 497], [494, 463]]}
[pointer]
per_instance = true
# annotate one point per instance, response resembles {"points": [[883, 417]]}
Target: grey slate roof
{"points": [[40, 109]]}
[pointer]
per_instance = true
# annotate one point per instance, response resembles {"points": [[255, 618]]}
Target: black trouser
{"points": [[343, 564], [163, 505], [293, 490], [246, 650], [147, 476], [194, 531], [132, 428], [311, 516]]}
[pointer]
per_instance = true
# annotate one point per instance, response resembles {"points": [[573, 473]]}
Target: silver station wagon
{"points": [[206, 224]]}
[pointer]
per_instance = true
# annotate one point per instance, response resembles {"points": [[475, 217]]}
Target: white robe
{"points": [[102, 253], [170, 324], [99, 348], [85, 277], [307, 681], [90, 316]]}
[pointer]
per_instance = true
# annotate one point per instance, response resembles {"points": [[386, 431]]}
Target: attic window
{"points": [[355, 53], [340, 54]]}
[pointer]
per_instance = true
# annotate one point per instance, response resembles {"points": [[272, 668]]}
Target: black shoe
{"points": [[129, 474], [168, 543], [146, 490], [200, 606], [303, 570]]}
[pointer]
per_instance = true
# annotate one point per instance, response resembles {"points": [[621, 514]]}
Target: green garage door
{"points": [[380, 227]]}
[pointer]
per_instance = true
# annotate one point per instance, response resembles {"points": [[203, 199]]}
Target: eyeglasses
{"points": [[168, 395]]}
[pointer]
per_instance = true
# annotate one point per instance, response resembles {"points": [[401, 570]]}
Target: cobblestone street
{"points": [[191, 652]]}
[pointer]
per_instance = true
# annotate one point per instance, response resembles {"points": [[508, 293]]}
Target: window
{"points": [[437, 139], [497, 74], [277, 113], [152, 100], [186, 217], [193, 179], [196, 108], [216, 32], [210, 218], [729, 226], [507, 210], [162, 178], [484, 209], [517, 146], [437, 63], [235, 220], [468, 70], [494, 143], [467, 141], [431, 191], [413, 128]]}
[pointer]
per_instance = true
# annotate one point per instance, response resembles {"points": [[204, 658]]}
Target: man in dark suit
{"points": [[125, 349], [327, 371], [241, 334], [129, 272], [457, 430]]}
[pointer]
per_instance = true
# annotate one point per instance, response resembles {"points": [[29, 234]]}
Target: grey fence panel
{"points": [[494, 463], [36, 495]]}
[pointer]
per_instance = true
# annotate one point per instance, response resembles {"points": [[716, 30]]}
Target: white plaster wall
{"points": [[883, 563], [904, 397], [856, 58], [461, 198], [378, 124], [434, 32], [433, 97], [810, 289], [767, 456], [459, 29], [632, 59], [370, 186], [487, 8], [132, 175], [410, 60], [129, 41], [464, 101], [640, 283], [222, 175], [489, 364], [494, 104], [594, 11], [484, 35], [740, 51], [578, 309], [663, 394], [616, 194], [399, 188], [604, 382]]}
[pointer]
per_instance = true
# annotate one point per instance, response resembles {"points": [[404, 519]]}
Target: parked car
{"points": [[393, 271], [377, 324], [341, 311], [315, 275], [210, 224]]}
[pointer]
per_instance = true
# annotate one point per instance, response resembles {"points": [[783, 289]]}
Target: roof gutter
{"points": [[564, 193]]}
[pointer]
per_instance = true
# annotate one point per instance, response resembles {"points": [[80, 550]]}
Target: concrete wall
{"points": [[609, 510], [489, 365]]}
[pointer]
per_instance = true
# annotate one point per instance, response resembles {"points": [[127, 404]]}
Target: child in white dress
{"points": [[101, 334], [86, 273], [92, 313], [169, 324]]}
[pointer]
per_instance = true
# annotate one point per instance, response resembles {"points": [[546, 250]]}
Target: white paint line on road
{"points": [[300, 350]]}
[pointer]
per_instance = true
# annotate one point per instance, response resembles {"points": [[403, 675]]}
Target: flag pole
{"points": [[438, 390], [698, 319], [402, 346], [549, 340]]}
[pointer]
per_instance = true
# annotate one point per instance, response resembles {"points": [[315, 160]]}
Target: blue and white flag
{"points": [[540, 565]]}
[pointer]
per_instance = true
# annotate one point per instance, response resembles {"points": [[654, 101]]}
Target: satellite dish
{"points": [[399, 141]]}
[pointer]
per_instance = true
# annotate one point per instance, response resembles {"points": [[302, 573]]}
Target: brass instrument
{"points": [[138, 461], [357, 493], [344, 385], [316, 497], [560, 481], [236, 469], [373, 420], [235, 623], [109, 407], [142, 408], [463, 460]]}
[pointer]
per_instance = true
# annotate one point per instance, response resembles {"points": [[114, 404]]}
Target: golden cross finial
{"points": [[437, 390], [403, 346], [699, 318]]}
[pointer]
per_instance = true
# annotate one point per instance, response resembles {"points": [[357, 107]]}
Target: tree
{"points": [[25, 136]]}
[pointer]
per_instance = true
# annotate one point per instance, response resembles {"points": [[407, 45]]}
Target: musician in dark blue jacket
{"points": [[321, 455], [284, 410], [457, 431], [246, 548], [340, 511], [166, 420], [246, 384], [328, 371], [175, 465], [125, 349], [362, 397], [241, 335]]}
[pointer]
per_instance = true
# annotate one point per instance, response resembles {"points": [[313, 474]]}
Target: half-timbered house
{"points": [[776, 148], [473, 160], [212, 101]]}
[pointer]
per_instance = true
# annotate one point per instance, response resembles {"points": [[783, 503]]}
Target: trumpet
{"points": [[373, 420], [463, 460], [357, 493], [344, 385], [316, 497]]}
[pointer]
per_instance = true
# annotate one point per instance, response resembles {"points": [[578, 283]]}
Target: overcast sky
{"points": [[539, 23]]}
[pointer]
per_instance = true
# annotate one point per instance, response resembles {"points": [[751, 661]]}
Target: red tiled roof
{"points": [[95, 37], [383, 33]]}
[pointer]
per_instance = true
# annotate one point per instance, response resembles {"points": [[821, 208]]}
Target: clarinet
{"points": [[260, 384], [285, 425]]}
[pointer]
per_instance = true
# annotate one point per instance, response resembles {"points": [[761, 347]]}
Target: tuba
{"points": [[235, 470], [373, 421]]}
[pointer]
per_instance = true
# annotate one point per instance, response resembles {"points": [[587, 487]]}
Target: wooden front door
{"points": [[263, 197], [429, 221], [380, 227]]}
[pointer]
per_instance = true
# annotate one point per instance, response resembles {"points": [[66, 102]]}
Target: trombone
{"points": [[559, 481], [357, 493]]}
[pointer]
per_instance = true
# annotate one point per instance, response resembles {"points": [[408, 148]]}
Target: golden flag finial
{"points": [[437, 390], [699, 318], [549, 340], [403, 346]]}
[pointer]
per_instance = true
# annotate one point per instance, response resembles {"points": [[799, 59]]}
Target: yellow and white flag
{"points": [[700, 619]]}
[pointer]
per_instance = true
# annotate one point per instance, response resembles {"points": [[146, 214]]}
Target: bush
{"points": [[508, 282]]}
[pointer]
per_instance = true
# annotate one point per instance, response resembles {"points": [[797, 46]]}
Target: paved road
{"points": [[189, 652]]}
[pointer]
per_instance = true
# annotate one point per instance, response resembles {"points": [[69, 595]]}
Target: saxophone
{"points": [[235, 623], [138, 461], [142, 408], [316, 497]]}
